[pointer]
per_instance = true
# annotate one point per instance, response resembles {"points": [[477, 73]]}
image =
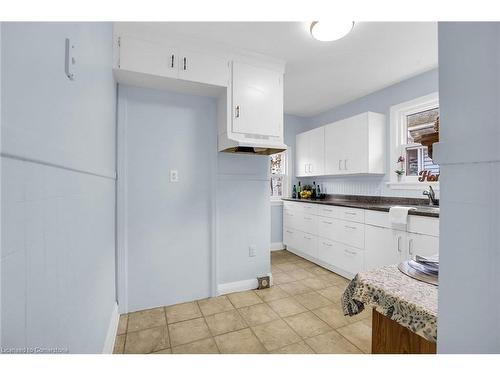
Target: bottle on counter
{"points": [[313, 194], [294, 192], [298, 191], [318, 192]]}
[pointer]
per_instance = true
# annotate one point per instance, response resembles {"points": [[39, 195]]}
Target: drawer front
{"points": [[351, 233], [377, 218], [350, 259], [420, 244], [423, 225], [309, 208], [292, 206], [326, 211], [291, 237], [351, 214], [290, 218], [327, 251], [307, 223], [328, 228], [309, 244]]}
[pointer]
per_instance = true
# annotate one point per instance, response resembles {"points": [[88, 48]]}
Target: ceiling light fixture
{"points": [[330, 31]]}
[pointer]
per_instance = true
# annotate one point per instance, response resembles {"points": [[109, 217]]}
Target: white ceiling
{"points": [[323, 75]]}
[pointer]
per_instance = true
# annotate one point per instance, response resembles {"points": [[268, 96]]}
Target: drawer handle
{"points": [[307, 218], [350, 213], [327, 244], [350, 227], [349, 252], [327, 210], [288, 231], [308, 238], [327, 222], [410, 246]]}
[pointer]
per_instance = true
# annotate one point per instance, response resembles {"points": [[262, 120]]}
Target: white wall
{"points": [[58, 187], [469, 157], [169, 225]]}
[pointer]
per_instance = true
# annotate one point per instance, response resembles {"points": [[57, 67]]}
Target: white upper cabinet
{"points": [[352, 146], [356, 145], [310, 153], [159, 59], [200, 67], [257, 100], [142, 56]]}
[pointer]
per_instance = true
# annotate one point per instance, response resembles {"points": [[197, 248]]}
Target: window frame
{"points": [[399, 139], [277, 200]]}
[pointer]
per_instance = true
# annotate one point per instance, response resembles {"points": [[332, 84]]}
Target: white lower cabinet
{"points": [[348, 241]]}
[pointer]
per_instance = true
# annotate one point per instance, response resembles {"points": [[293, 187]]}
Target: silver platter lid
{"points": [[417, 275]]}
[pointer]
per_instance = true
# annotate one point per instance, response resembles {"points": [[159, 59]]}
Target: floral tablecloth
{"points": [[411, 303]]}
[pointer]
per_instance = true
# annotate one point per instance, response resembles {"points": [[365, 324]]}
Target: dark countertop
{"points": [[375, 204]]}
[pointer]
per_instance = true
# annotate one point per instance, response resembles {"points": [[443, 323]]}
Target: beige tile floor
{"points": [[301, 313]]}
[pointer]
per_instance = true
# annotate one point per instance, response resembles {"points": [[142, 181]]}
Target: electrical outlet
{"points": [[251, 251], [174, 175]]}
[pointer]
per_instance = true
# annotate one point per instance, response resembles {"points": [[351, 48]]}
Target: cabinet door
{"points": [[142, 56], [421, 244], [301, 155], [355, 157], [257, 100], [384, 246], [290, 238], [200, 67], [316, 151], [334, 149], [309, 245]]}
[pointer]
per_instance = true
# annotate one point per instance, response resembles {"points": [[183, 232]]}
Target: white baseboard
{"points": [[240, 286], [109, 344], [277, 246]]}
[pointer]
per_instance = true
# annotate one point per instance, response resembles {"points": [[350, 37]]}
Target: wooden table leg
{"points": [[390, 337]]}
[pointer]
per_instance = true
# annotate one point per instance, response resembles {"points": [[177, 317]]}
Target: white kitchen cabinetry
{"points": [[159, 59], [349, 240], [257, 100], [355, 145], [200, 67], [310, 153], [142, 56]]}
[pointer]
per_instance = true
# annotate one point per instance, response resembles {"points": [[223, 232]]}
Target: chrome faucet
{"points": [[432, 196]]}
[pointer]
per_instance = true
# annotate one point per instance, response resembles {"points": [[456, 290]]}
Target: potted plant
{"points": [[401, 171]]}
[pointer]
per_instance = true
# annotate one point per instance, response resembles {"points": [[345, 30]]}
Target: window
{"points": [[279, 183], [410, 122]]}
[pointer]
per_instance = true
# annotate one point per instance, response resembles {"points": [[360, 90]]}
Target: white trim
{"points": [[109, 343], [397, 113], [240, 286], [275, 246]]}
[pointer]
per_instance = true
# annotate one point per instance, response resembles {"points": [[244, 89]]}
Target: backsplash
{"points": [[373, 186]]}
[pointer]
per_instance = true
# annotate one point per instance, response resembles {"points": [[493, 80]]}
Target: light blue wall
{"points": [[171, 226], [58, 187], [469, 156], [243, 217], [168, 224], [379, 101]]}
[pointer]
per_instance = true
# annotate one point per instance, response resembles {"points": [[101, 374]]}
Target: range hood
{"points": [[252, 145]]}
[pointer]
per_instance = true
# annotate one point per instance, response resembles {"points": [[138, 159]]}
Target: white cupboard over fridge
{"points": [[310, 153]]}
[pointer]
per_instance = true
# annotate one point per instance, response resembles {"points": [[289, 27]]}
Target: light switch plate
{"points": [[174, 175], [251, 251]]}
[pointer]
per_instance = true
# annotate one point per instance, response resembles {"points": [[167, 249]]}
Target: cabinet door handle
{"points": [[308, 238], [345, 164], [410, 246], [310, 168], [340, 167], [349, 227], [327, 222], [399, 241], [307, 218], [349, 252], [305, 168], [327, 244], [236, 111], [172, 59], [185, 63]]}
